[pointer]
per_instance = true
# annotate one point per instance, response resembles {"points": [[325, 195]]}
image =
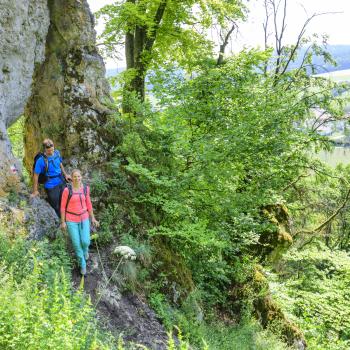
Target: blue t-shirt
{"points": [[54, 169]]}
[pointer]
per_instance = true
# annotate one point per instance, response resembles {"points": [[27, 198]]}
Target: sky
{"points": [[334, 23]]}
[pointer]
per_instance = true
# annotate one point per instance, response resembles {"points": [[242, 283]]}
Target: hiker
{"points": [[76, 208], [48, 169]]}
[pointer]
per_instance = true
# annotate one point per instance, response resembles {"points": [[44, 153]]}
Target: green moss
{"points": [[275, 242], [177, 278], [271, 316]]}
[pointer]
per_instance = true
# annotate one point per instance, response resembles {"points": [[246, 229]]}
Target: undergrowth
{"points": [[38, 307], [312, 287]]}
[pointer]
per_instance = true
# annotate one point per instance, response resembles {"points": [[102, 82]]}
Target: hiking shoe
{"points": [[83, 271], [86, 256]]}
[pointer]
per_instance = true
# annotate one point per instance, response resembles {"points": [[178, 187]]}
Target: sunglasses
{"points": [[48, 145]]}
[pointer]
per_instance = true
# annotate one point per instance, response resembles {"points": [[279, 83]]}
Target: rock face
{"points": [[42, 220], [276, 241], [33, 218], [265, 308], [23, 29], [70, 96]]}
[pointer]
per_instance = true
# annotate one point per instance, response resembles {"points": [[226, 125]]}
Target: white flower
{"points": [[125, 251]]}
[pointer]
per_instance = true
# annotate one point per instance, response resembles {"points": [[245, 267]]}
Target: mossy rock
{"points": [[270, 315], [273, 243], [256, 293], [178, 282]]}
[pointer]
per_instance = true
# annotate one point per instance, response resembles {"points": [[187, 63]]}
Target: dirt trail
{"points": [[121, 313]]}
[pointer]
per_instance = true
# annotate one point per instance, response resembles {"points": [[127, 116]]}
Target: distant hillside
{"points": [[341, 54], [112, 72]]}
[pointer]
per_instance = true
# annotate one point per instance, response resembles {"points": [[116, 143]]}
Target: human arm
{"points": [[63, 208], [66, 176], [93, 220], [35, 185]]}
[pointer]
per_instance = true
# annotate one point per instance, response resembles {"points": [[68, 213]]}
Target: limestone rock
{"points": [[268, 312], [70, 99], [23, 29], [266, 309], [32, 218], [42, 220]]}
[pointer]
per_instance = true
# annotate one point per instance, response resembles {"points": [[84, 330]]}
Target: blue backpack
{"points": [[43, 177]]}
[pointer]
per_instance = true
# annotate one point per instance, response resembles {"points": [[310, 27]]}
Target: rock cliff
{"points": [[70, 96], [23, 28]]}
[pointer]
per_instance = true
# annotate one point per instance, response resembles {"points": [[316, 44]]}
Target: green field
{"points": [[336, 156], [338, 76]]}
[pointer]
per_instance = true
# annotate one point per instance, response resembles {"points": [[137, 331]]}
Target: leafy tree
{"points": [[208, 152], [154, 32]]}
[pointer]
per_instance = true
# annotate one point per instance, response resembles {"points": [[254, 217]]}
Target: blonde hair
{"points": [[76, 171]]}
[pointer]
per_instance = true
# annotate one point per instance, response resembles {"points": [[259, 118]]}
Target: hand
{"points": [[95, 223], [63, 226], [35, 194], [68, 178]]}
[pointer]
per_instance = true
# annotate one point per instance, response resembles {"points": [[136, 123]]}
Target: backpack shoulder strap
{"points": [[57, 153], [70, 193], [44, 156], [85, 189], [46, 162]]}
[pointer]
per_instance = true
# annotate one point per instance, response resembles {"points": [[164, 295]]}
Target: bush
{"points": [[312, 287], [38, 308]]}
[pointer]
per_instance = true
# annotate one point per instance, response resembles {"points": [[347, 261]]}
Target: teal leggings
{"points": [[79, 233]]}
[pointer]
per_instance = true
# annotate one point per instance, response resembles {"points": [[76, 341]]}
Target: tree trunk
{"points": [[134, 49], [138, 49]]}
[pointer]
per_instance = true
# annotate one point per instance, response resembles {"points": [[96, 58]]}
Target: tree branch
{"points": [[328, 220], [153, 32], [224, 44], [295, 181]]}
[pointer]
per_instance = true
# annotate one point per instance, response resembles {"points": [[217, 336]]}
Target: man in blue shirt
{"points": [[54, 171]]}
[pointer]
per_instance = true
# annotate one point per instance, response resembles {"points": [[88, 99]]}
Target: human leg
{"points": [[74, 230], [85, 237], [54, 198]]}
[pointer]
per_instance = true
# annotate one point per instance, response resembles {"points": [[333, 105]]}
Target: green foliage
{"points": [[176, 37], [217, 149], [15, 132], [216, 335], [109, 223], [312, 287], [39, 309], [204, 156], [327, 189], [16, 135], [206, 153]]}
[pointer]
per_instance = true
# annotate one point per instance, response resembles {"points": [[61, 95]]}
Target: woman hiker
{"points": [[76, 209]]}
